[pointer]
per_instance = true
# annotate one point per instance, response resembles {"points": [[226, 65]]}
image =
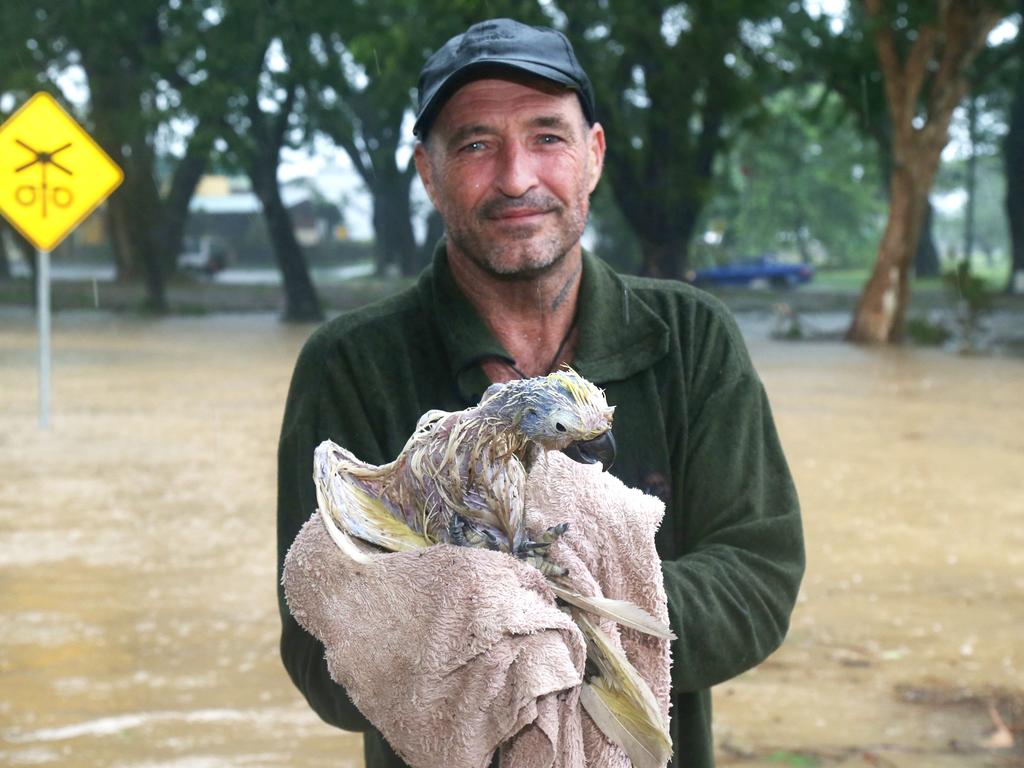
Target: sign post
{"points": [[52, 176], [43, 313]]}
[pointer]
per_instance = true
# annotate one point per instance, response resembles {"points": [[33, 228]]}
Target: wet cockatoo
{"points": [[461, 479]]}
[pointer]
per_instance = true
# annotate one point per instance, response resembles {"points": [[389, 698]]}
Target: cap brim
{"points": [[434, 101]]}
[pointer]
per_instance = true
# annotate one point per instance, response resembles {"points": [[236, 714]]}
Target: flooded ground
{"points": [[138, 623]]}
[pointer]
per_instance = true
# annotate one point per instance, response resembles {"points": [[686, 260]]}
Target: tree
{"points": [[18, 79], [923, 59], [1013, 162], [986, 113], [128, 60], [258, 59], [803, 180], [841, 49], [991, 233], [672, 83], [129, 54], [10, 237], [364, 91], [5, 265]]}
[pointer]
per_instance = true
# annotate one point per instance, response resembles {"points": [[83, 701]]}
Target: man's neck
{"points": [[532, 318]]}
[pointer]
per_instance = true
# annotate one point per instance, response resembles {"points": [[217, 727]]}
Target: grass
{"points": [[995, 276]]}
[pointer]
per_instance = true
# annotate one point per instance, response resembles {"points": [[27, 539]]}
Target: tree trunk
{"points": [[435, 231], [31, 256], [938, 55], [881, 310], [662, 186], [926, 256], [392, 222], [664, 232], [115, 224], [25, 249], [174, 206], [5, 264], [1013, 163], [115, 87], [134, 210], [664, 258], [301, 303], [972, 178], [664, 246]]}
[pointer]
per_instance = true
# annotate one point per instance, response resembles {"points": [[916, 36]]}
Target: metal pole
{"points": [[43, 311]]}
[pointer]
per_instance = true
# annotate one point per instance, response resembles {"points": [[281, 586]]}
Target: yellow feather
{"points": [[620, 611], [614, 713], [360, 514], [633, 702]]}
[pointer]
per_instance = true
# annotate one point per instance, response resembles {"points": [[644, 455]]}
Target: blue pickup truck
{"points": [[763, 270]]}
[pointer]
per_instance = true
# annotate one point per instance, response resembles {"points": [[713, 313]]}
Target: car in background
{"points": [[759, 272]]}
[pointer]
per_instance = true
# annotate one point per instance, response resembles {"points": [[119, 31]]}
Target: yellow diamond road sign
{"points": [[52, 174]]}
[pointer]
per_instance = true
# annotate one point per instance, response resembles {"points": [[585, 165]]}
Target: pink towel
{"points": [[453, 653]]}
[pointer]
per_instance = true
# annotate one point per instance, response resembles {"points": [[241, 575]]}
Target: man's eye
{"points": [[473, 146], [550, 138]]}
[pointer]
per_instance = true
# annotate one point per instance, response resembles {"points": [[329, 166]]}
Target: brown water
{"points": [[138, 624]]}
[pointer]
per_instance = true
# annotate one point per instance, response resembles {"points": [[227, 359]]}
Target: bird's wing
{"points": [[496, 496], [349, 492]]}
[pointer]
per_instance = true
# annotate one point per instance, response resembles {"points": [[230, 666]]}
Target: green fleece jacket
{"points": [[692, 423]]}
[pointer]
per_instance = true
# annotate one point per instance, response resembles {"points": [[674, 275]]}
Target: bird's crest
{"points": [[582, 391]]}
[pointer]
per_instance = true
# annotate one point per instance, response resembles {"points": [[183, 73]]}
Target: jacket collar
{"points": [[619, 335]]}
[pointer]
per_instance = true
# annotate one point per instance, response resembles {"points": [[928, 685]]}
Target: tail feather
{"points": [[620, 611], [624, 707], [613, 712]]}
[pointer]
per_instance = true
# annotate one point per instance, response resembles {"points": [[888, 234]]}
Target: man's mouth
{"points": [[520, 214], [526, 209]]}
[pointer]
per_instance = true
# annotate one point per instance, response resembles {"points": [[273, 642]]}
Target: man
{"points": [[509, 153]]}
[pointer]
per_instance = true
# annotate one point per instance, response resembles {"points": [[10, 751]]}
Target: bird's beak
{"points": [[600, 449]]}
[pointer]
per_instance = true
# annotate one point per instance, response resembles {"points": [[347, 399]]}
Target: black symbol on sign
{"points": [[27, 194]]}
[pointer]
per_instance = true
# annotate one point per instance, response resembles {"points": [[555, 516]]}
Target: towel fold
{"points": [[453, 652]]}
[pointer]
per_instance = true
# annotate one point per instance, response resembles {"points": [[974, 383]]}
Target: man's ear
{"points": [[596, 148], [421, 156]]}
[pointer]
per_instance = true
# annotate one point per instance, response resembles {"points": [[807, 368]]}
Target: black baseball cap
{"points": [[496, 45]]}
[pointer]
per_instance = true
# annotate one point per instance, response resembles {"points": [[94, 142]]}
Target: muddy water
{"points": [[137, 614]]}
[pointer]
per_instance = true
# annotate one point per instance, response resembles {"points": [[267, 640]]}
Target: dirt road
{"points": [[138, 625]]}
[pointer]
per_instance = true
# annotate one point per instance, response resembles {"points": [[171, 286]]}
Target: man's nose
{"points": [[516, 170]]}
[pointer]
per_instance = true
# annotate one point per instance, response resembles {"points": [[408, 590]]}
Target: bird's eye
{"points": [[559, 426]]}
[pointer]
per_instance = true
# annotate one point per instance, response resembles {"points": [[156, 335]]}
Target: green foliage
{"points": [[19, 66], [973, 300], [363, 61], [927, 333], [674, 84], [970, 290], [615, 241], [746, 117], [794, 759], [788, 326], [802, 182], [991, 235]]}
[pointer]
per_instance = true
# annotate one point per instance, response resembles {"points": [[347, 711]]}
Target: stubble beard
{"points": [[523, 253]]}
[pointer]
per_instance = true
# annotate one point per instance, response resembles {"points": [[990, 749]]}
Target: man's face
{"points": [[510, 165]]}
